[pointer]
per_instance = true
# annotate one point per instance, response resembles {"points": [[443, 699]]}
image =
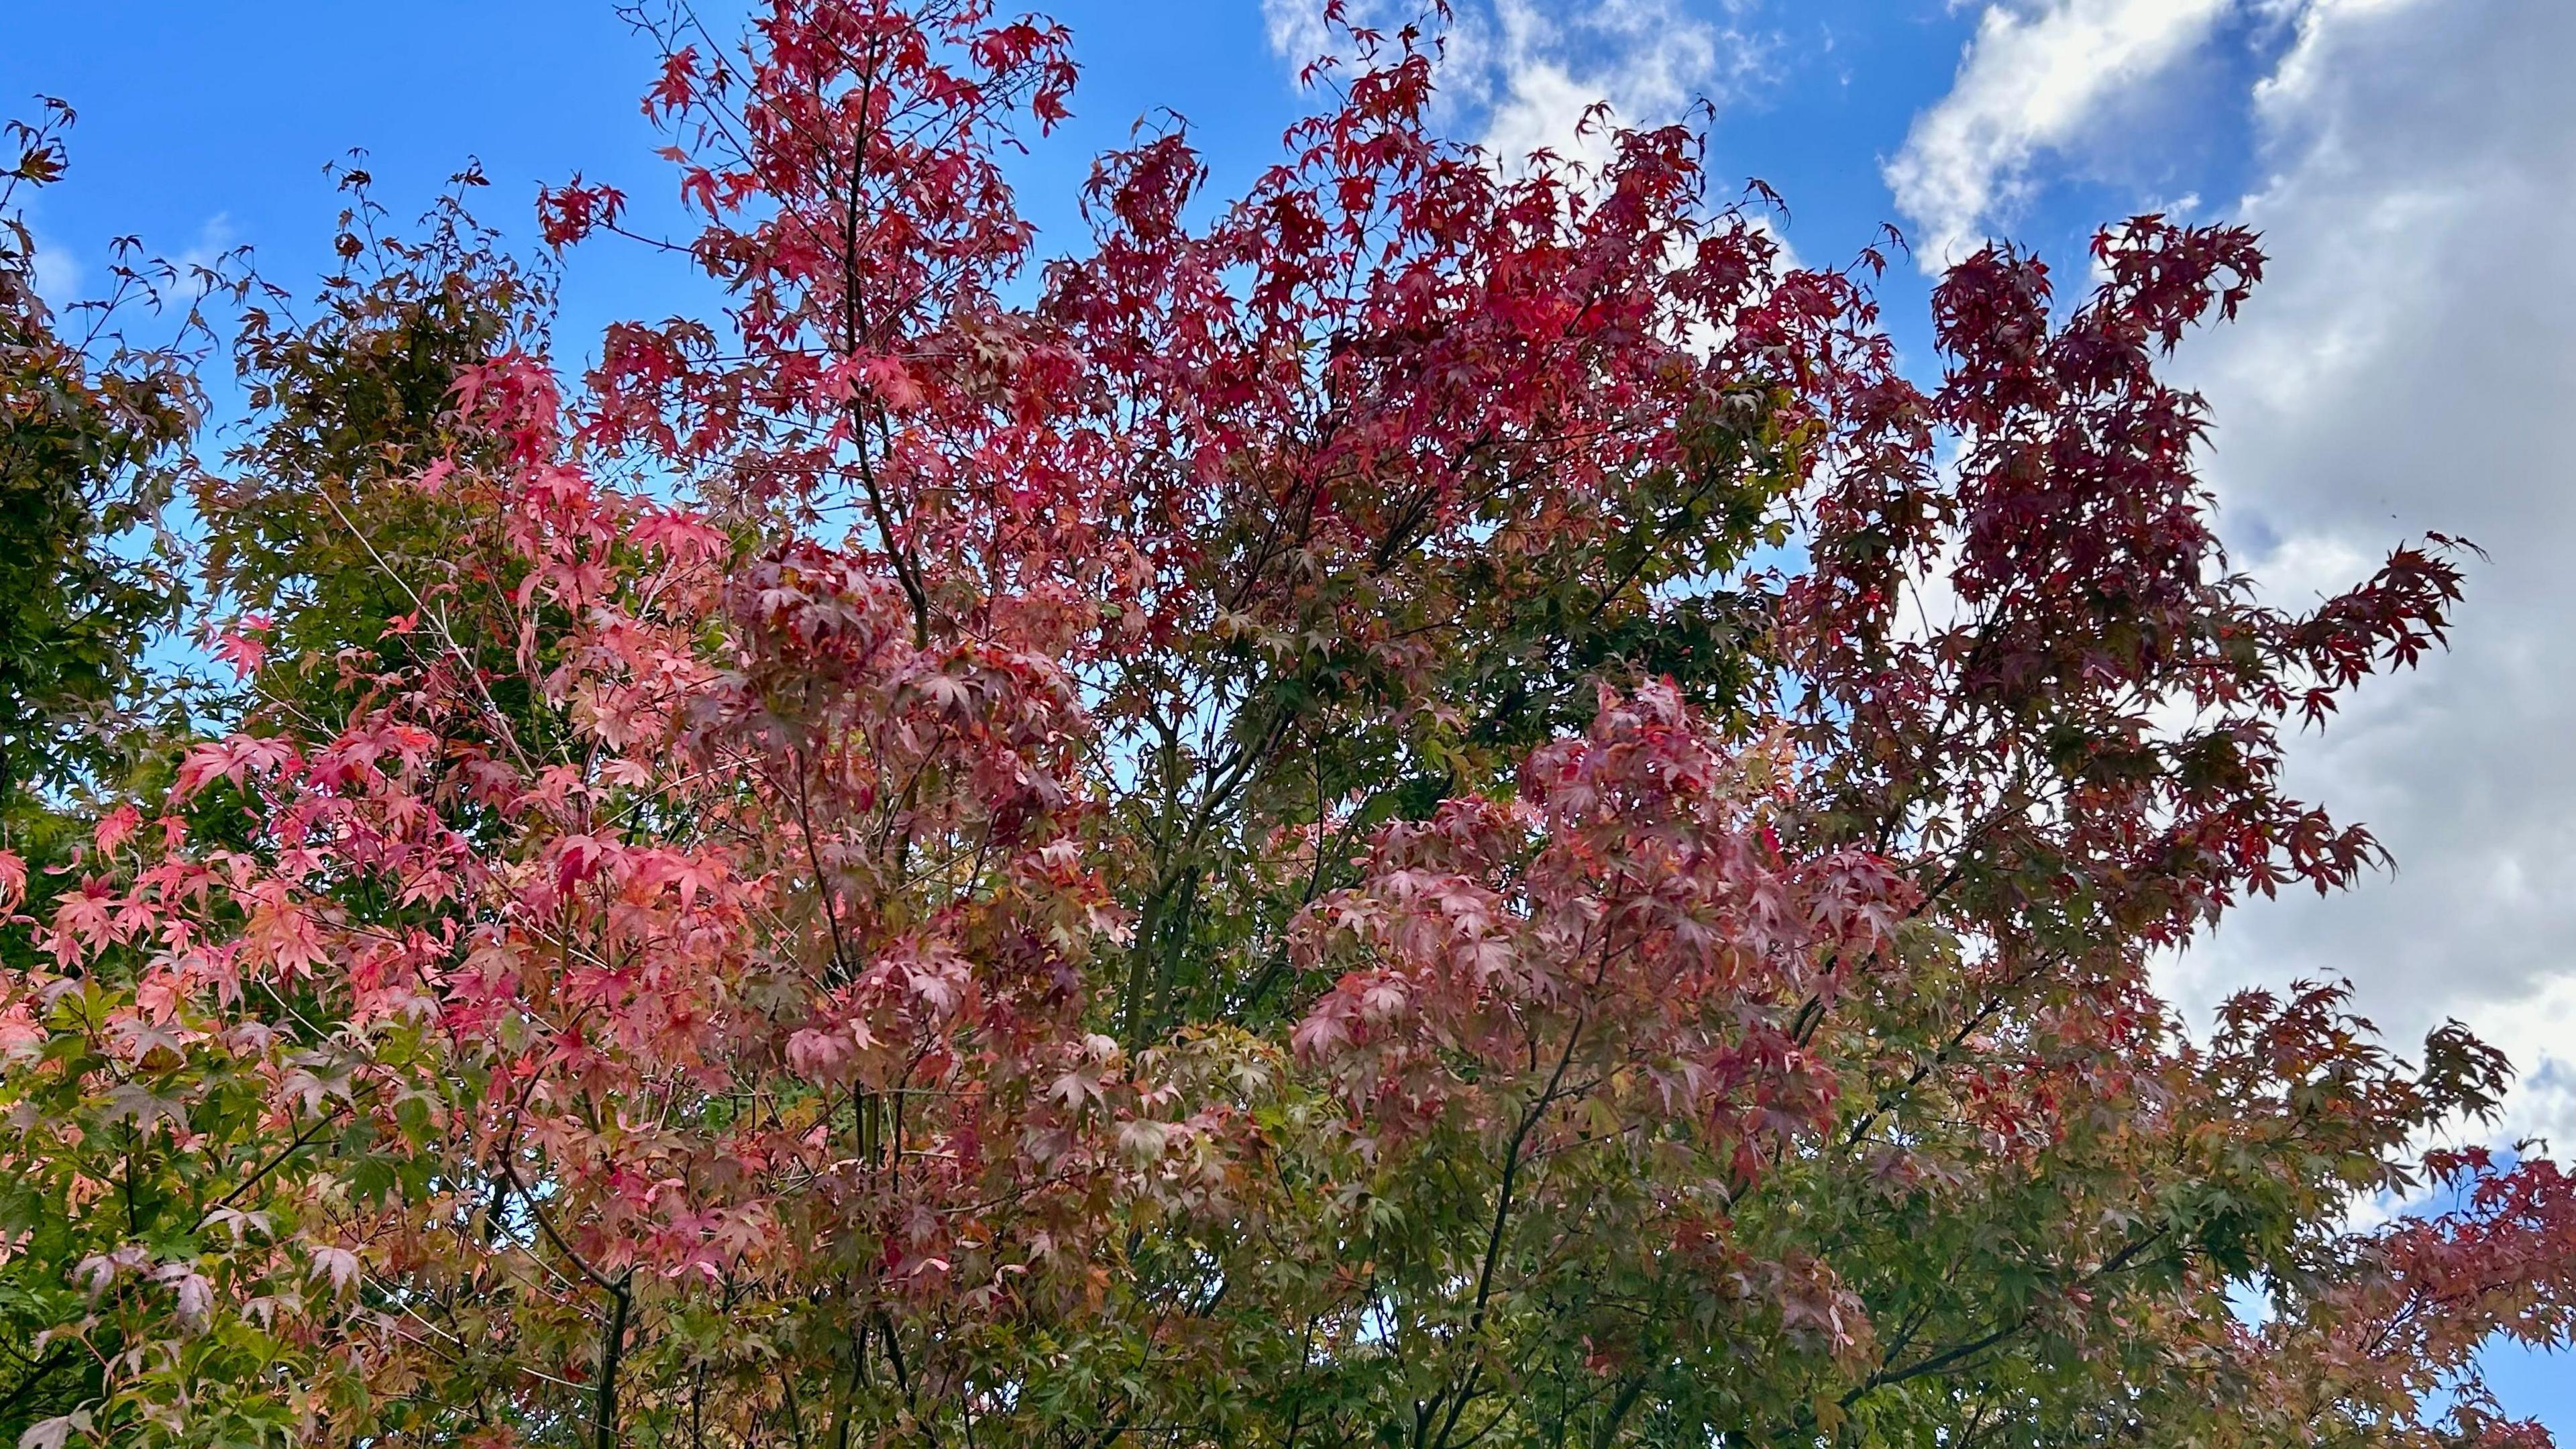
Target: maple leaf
{"points": [[338, 1265], [194, 1296]]}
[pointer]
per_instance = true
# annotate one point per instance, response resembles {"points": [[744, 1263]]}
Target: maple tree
{"points": [[1429, 806], [97, 434]]}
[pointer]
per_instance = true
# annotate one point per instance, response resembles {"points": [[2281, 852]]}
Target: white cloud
{"points": [[1522, 73], [1296, 29], [1547, 63], [2408, 367], [215, 241], [2038, 77], [57, 271], [58, 274], [62, 279]]}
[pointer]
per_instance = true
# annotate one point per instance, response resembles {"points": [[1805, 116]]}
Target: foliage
{"points": [[93, 436], [310, 534], [1429, 807]]}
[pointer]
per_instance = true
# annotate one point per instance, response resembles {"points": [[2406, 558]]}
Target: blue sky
{"points": [[193, 136], [2411, 162]]}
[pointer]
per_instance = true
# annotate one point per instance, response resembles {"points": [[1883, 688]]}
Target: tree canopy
{"points": [[1430, 806], [95, 439]]}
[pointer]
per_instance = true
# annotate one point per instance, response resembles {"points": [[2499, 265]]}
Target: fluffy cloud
{"points": [[59, 276], [1539, 66], [1523, 72], [2407, 368], [2038, 78]]}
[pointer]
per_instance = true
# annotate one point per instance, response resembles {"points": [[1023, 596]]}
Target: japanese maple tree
{"points": [[1427, 806]]}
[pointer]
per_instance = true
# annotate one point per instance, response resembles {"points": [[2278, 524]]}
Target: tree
{"points": [[309, 534], [1353, 824], [93, 435]]}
